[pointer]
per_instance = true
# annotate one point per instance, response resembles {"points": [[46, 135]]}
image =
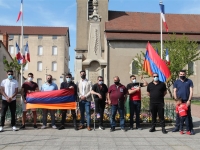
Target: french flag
{"points": [[20, 12], [162, 8], [27, 54], [167, 57], [19, 57]]}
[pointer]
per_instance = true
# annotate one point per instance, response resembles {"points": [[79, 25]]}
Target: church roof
{"points": [[35, 30], [146, 26]]}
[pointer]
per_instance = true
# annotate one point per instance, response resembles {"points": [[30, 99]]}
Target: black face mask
{"points": [[49, 80], [182, 77], [83, 76], [116, 83]]}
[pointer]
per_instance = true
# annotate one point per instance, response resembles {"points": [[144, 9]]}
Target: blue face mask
{"points": [[134, 80], [10, 77], [155, 78], [68, 79], [100, 82]]}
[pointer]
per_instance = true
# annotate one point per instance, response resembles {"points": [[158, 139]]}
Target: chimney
{"points": [[5, 40]]}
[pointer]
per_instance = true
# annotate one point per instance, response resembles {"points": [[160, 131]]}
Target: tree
{"points": [[13, 65], [182, 51]]}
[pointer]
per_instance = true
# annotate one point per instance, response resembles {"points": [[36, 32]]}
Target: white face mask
{"points": [[68, 79], [134, 81], [30, 79]]}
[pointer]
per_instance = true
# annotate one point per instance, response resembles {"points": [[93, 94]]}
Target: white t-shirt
{"points": [[83, 86], [9, 86]]}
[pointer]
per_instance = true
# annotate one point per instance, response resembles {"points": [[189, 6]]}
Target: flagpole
{"points": [[161, 41], [22, 43]]}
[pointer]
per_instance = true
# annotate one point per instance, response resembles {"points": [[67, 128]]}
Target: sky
{"points": [[62, 13]]}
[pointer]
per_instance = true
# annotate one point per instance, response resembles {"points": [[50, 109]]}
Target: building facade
{"points": [[123, 35], [48, 47]]}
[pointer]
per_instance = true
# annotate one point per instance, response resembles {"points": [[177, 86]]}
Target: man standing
{"points": [[84, 88], [116, 97], [64, 85], [157, 90], [183, 88], [99, 90], [28, 87], [49, 86], [134, 90], [9, 89]]}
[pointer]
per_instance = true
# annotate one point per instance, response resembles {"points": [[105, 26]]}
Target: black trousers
{"points": [[64, 117], [189, 119], [12, 107], [157, 108], [99, 108], [186, 120]]}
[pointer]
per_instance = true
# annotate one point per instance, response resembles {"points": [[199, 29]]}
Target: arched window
{"points": [[11, 49], [26, 67], [39, 66], [54, 50], [39, 82], [134, 67], [54, 66], [40, 50], [191, 68]]}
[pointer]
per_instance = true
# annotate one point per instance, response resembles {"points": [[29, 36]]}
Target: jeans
{"points": [[189, 119], [52, 112], [99, 108], [157, 108], [85, 107], [114, 109], [186, 120], [135, 106], [12, 107], [64, 117]]}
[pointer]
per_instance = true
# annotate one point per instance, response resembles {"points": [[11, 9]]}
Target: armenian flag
{"points": [[58, 99], [154, 64]]}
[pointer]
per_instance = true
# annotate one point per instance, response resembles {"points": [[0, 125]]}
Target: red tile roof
{"points": [[136, 25], [35, 30]]}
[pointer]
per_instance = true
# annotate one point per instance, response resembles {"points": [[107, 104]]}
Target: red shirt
{"points": [[117, 92], [182, 109], [137, 95]]}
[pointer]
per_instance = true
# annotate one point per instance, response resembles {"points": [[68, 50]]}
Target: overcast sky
{"points": [[63, 13]]}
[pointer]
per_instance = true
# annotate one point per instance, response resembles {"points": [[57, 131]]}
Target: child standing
{"points": [[181, 110]]}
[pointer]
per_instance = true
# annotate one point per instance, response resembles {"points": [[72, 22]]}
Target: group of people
{"points": [[115, 96]]}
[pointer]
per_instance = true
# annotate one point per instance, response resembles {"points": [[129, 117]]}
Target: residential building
{"points": [[48, 47]]}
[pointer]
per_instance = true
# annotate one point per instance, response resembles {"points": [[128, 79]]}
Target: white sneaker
{"points": [[54, 127], [14, 128], [1, 129], [43, 127]]}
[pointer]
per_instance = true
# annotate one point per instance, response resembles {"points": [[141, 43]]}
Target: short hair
{"points": [[9, 71], [132, 76], [30, 74], [82, 71], [155, 73], [69, 74], [182, 71], [99, 77], [50, 75]]}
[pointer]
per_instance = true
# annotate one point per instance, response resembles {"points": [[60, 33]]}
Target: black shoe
{"points": [[75, 128], [164, 131], [112, 129], [35, 126], [152, 129], [61, 127], [101, 128], [192, 132], [139, 128], [130, 128], [22, 127], [175, 130], [123, 129]]}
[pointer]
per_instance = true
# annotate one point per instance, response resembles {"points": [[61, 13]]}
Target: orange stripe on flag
{"points": [[71, 105]]}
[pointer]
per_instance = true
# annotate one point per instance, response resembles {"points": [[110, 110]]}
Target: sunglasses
{"points": [[68, 77], [10, 74], [100, 80], [155, 76]]}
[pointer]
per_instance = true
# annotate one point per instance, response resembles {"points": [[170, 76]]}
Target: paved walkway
{"points": [[52, 139]]}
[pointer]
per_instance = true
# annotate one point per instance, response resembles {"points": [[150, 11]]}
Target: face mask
{"points": [[134, 81], [155, 78], [30, 79], [182, 77], [68, 79], [83, 76], [100, 82], [116, 83], [10, 77], [49, 80]]}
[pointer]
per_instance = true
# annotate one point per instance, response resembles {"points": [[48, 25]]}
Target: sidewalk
{"points": [[52, 139]]}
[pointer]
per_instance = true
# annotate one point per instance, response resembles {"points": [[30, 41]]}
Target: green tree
{"points": [[13, 65], [182, 51]]}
